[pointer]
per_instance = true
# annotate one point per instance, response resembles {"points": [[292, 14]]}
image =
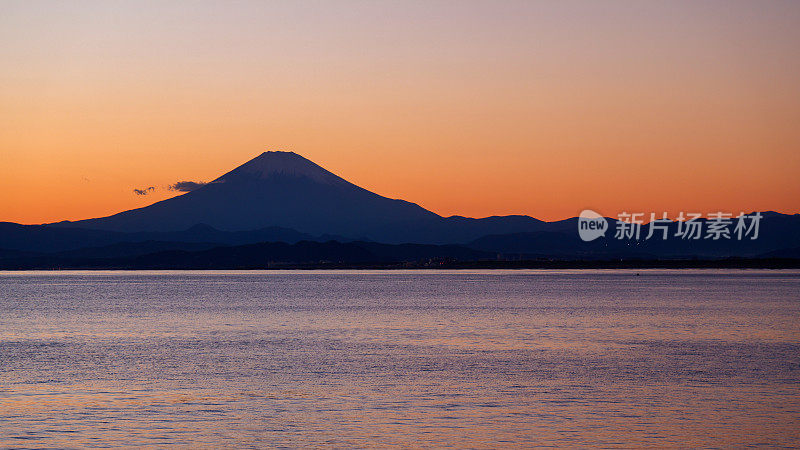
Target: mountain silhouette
{"points": [[286, 190], [275, 189]]}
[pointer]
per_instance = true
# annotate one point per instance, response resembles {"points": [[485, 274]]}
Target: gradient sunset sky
{"points": [[470, 108]]}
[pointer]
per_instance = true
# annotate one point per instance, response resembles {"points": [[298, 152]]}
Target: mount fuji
{"points": [[286, 190]]}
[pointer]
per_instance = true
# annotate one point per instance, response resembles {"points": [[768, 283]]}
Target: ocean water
{"points": [[380, 359]]}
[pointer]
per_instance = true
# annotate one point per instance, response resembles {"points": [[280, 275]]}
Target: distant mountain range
{"points": [[281, 208]]}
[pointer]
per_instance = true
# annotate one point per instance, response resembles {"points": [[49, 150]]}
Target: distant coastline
{"points": [[726, 263]]}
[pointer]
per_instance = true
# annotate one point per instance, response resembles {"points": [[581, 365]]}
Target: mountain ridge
{"points": [[284, 197]]}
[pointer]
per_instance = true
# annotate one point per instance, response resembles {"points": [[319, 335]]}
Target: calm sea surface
{"points": [[423, 358]]}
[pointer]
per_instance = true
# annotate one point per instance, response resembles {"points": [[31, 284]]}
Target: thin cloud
{"points": [[144, 191], [186, 186]]}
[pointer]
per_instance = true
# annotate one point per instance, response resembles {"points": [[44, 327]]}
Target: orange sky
{"points": [[470, 108]]}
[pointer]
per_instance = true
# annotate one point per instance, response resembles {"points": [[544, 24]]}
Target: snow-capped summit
{"points": [[278, 163]]}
